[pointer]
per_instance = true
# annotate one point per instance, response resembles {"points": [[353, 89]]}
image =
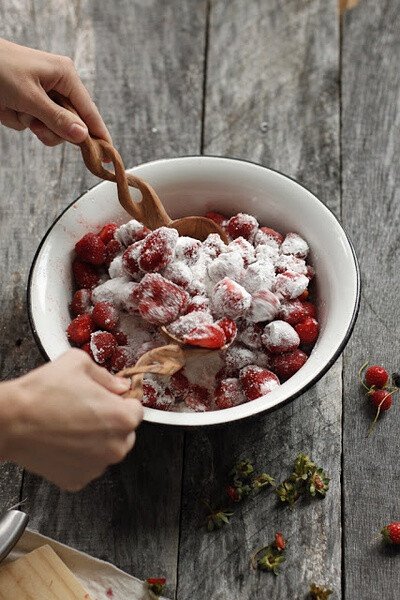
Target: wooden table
{"points": [[290, 85]]}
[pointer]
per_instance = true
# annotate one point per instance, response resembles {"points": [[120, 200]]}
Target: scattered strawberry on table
{"points": [[248, 299], [379, 390], [318, 592], [391, 533], [156, 585]]}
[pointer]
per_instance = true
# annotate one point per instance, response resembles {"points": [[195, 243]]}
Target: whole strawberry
{"points": [[376, 376], [391, 533]]}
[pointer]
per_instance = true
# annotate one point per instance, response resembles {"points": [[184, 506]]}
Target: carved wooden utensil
{"points": [[168, 359]]}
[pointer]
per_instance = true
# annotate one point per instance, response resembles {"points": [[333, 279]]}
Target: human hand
{"points": [[27, 77], [67, 421]]}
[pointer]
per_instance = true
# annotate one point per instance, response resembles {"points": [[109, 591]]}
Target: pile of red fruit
{"points": [[376, 382], [252, 291]]}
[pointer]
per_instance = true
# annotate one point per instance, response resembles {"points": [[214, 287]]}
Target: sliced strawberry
{"points": [[229, 393], [113, 248], [242, 225], [307, 330], [107, 232], [287, 364], [266, 235], [80, 329], [257, 382], [230, 299], [91, 249], [158, 249], [229, 328], [217, 217], [130, 258], [206, 336], [81, 302], [85, 275], [105, 315], [160, 301], [102, 345]]}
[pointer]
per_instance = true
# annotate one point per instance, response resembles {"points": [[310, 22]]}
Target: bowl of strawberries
{"points": [[271, 306]]}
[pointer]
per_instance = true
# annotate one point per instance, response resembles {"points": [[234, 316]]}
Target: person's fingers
{"points": [[60, 121], [45, 135], [133, 412], [117, 385], [10, 119], [25, 119]]}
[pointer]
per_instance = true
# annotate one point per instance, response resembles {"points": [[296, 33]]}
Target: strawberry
{"points": [[206, 336], [86, 348], [233, 493], [264, 306], [229, 393], [229, 328], [307, 331], [242, 225], [113, 248], [197, 397], [381, 399], [279, 336], [91, 249], [391, 533], [187, 250], [102, 345], [287, 364], [266, 235], [309, 309], [85, 275], [303, 296], [107, 232], [160, 301], [376, 376], [121, 338], [105, 315], [80, 329], [217, 217], [290, 285], [81, 302], [257, 382], [293, 311], [122, 358], [198, 304], [149, 394], [178, 383], [130, 258], [230, 299], [280, 543], [158, 249]]}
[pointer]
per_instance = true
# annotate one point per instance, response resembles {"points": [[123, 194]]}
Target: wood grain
{"points": [[144, 68], [272, 97], [371, 212]]}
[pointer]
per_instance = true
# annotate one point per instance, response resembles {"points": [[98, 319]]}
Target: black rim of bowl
{"points": [[317, 376]]}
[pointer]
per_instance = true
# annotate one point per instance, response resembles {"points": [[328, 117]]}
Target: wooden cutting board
{"points": [[40, 575]]}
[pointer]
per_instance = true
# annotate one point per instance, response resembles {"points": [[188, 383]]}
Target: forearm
{"points": [[11, 400]]}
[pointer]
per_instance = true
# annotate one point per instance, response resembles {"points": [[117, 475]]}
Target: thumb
{"points": [[62, 122]]}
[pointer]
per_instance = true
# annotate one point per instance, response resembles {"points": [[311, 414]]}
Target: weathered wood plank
{"points": [[272, 97], [144, 68], [371, 212]]}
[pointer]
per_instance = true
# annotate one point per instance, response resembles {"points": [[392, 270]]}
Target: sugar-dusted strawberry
{"points": [[130, 232], [236, 357], [198, 304], [287, 364], [227, 264], [81, 302], [217, 217], [105, 315], [113, 248], [158, 249], [309, 309], [376, 376], [257, 382], [264, 306], [102, 345], [107, 232], [230, 299], [391, 533], [149, 393], [197, 397], [80, 329], [304, 295], [279, 336], [294, 244], [229, 393], [187, 250], [292, 311], [381, 399], [244, 248], [242, 225], [91, 249], [85, 275], [290, 285], [182, 326], [86, 348], [307, 330], [178, 272], [122, 358], [121, 338], [130, 259], [213, 246], [160, 301], [206, 336], [229, 328], [178, 383], [250, 334], [268, 236]]}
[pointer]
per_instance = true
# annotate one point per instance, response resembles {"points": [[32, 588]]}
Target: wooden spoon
{"points": [[165, 360], [150, 210]]}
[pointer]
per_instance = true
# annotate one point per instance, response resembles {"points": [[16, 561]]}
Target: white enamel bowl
{"points": [[191, 186]]}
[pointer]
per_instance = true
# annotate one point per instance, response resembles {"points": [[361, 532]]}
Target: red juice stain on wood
{"points": [[109, 593]]}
